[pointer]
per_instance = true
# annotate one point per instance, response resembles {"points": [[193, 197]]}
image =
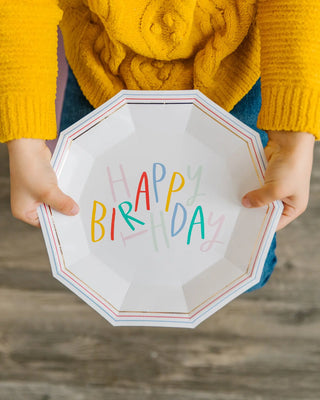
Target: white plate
{"points": [[161, 238]]}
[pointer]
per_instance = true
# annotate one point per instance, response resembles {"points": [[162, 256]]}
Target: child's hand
{"points": [[288, 174], [33, 181]]}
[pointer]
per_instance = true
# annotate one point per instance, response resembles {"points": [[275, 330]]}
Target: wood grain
{"points": [[264, 345]]}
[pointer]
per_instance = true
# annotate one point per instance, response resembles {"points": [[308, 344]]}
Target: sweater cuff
{"points": [[33, 116], [290, 109]]}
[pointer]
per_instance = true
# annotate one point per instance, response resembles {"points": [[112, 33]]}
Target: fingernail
{"points": [[246, 203], [75, 209]]}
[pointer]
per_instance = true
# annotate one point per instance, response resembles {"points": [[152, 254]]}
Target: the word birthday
{"points": [[188, 218]]}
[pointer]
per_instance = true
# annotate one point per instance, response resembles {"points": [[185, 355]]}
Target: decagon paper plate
{"points": [[161, 238]]}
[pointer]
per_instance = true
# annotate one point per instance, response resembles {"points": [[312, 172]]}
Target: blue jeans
{"points": [[76, 106]]}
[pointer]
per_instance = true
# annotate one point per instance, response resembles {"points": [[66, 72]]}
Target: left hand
{"points": [[287, 177], [33, 181]]}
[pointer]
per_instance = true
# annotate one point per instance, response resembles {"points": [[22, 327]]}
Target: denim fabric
{"points": [[76, 106]]}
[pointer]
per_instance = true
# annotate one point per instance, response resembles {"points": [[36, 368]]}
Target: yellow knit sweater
{"points": [[218, 46]]}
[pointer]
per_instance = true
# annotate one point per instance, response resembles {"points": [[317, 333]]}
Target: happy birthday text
{"points": [[187, 219]]}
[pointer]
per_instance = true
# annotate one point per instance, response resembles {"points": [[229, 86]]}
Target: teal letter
{"points": [[127, 217], [201, 222]]}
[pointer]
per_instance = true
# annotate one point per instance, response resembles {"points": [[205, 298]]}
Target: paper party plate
{"points": [[161, 238]]}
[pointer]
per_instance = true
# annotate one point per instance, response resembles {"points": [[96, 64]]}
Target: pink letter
{"points": [[113, 181]]}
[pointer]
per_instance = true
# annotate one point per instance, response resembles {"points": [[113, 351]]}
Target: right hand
{"points": [[34, 182], [287, 177]]}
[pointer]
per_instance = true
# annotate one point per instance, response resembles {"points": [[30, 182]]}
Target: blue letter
{"points": [[155, 180], [173, 233]]}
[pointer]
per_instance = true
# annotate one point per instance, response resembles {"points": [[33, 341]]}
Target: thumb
{"points": [[261, 197], [58, 200]]}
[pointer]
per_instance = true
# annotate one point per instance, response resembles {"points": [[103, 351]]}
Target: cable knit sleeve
{"points": [[28, 68], [290, 65]]}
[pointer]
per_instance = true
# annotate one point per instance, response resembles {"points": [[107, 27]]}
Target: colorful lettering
{"points": [[112, 223], [128, 218], [174, 217], [132, 236], [171, 188], [143, 180], [169, 225], [162, 225], [206, 246], [197, 211], [123, 179], [197, 177], [95, 221], [156, 179]]}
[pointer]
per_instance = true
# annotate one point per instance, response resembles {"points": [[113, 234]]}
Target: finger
{"points": [[32, 218], [283, 222], [20, 211], [58, 200], [290, 213], [263, 196]]}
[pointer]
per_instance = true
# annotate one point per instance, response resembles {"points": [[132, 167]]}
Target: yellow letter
{"points": [[97, 221], [171, 190]]}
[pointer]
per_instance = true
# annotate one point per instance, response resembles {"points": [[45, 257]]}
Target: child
{"points": [[216, 46]]}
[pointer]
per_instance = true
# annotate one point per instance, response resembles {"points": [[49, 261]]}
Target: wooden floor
{"points": [[264, 345]]}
